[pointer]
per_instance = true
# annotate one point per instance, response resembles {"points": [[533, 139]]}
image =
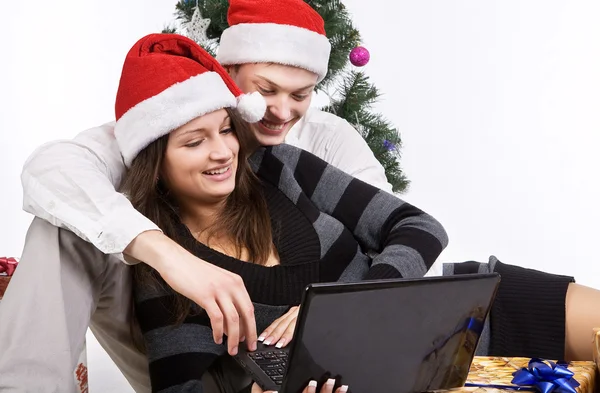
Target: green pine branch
{"points": [[342, 35], [353, 95], [169, 30], [215, 10], [353, 101]]}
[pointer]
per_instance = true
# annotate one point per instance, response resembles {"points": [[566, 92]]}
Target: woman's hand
{"points": [[219, 292], [281, 330], [311, 388]]}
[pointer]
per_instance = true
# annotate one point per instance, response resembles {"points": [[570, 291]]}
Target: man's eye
{"points": [[265, 91]]}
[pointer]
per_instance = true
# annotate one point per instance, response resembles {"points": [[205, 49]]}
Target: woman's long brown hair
{"points": [[244, 220]]}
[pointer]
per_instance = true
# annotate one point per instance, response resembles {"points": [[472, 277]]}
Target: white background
{"points": [[498, 103]]}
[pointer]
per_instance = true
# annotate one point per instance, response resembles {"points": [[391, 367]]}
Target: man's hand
{"points": [[220, 293], [281, 330]]}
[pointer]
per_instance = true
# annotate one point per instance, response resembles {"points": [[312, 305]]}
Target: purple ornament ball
{"points": [[359, 56]]}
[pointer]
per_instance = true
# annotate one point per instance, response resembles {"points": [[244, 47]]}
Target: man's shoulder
{"points": [[322, 118], [322, 127], [106, 128]]}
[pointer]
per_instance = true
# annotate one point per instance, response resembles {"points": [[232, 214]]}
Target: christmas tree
{"points": [[351, 95]]}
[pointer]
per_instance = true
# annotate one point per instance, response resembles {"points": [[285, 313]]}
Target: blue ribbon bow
{"points": [[540, 375], [546, 376]]}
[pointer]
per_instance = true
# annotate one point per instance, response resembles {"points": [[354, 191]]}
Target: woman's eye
{"points": [[227, 131], [194, 144]]}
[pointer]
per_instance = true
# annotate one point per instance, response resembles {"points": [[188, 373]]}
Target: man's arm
{"points": [[72, 184]]}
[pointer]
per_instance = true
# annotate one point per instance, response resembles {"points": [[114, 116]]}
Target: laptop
{"points": [[401, 336]]}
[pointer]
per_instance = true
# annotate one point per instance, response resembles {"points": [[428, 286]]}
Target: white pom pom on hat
{"points": [[167, 81], [251, 106]]}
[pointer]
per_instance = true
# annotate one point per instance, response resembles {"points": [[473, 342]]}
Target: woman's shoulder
{"points": [[284, 157], [321, 118]]}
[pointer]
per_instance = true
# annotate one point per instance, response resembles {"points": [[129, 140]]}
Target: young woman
{"points": [[281, 219]]}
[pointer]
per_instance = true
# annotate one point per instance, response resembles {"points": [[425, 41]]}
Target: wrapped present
{"points": [[504, 375], [596, 352], [4, 280], [7, 268]]}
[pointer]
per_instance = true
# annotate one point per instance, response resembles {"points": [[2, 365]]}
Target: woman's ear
{"points": [[160, 179]]}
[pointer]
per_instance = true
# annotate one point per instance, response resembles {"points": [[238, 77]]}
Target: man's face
{"points": [[287, 91]]}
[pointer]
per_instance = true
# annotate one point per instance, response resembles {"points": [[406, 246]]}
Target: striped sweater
{"points": [[325, 222]]}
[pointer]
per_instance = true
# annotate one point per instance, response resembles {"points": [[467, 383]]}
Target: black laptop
{"points": [[395, 336]]}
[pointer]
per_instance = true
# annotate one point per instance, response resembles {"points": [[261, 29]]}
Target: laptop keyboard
{"points": [[273, 363]]}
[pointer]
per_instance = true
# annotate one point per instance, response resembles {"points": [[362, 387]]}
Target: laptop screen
{"points": [[405, 336]]}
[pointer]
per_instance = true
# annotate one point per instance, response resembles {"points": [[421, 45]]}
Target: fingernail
{"points": [[243, 339], [330, 382], [261, 338], [268, 342], [344, 388], [312, 384], [281, 343], [252, 347], [234, 351]]}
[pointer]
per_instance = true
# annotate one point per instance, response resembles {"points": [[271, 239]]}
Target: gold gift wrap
{"points": [[596, 349], [499, 371], [4, 280]]}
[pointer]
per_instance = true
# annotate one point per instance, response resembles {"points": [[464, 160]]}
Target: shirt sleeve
{"points": [[179, 353], [347, 150], [72, 184], [406, 240]]}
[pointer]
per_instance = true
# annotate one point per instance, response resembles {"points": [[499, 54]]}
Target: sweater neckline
{"points": [[273, 285]]}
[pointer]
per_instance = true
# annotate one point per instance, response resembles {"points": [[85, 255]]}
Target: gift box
{"points": [[495, 375], [596, 352], [7, 269], [4, 280]]}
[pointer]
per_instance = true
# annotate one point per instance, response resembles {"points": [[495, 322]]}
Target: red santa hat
{"points": [[167, 81], [286, 32]]}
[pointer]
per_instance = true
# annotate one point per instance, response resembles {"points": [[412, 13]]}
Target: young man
{"points": [[72, 271], [283, 55]]}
